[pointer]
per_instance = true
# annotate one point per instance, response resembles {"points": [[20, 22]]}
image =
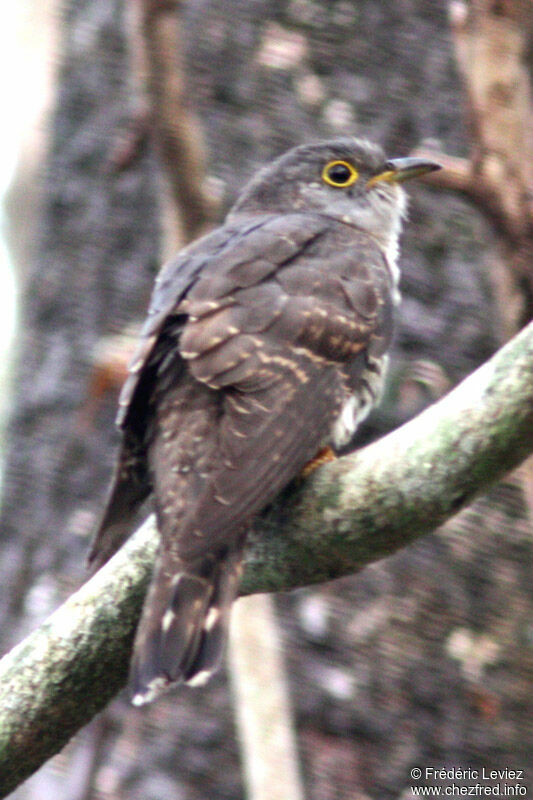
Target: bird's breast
{"points": [[363, 395]]}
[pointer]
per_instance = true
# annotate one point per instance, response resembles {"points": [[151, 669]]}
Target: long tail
{"points": [[183, 628]]}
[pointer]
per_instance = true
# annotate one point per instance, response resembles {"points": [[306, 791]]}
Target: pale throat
{"points": [[390, 213], [382, 218]]}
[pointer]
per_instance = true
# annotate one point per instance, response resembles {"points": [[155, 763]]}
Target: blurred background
{"points": [[130, 129]]}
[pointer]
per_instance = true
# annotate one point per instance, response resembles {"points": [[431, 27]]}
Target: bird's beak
{"points": [[403, 169]]}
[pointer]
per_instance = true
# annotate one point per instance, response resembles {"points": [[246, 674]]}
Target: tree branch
{"points": [[491, 42], [157, 49], [347, 514]]}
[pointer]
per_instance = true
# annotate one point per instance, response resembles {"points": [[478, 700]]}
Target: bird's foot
{"points": [[322, 457]]}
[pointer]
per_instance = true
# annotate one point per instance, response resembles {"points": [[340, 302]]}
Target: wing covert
{"points": [[237, 256]]}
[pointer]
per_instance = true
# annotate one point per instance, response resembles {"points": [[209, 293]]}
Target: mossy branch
{"points": [[347, 514]]}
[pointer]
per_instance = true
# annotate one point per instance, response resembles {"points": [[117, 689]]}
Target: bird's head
{"points": [[347, 179]]}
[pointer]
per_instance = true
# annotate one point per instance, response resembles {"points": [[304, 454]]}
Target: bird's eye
{"points": [[339, 174]]}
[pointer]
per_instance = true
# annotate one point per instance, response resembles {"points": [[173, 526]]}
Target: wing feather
{"points": [[235, 256]]}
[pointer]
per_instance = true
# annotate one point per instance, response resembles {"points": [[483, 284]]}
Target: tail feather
{"points": [[183, 630], [216, 622]]}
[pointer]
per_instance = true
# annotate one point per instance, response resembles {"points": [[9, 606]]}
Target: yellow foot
{"points": [[322, 457]]}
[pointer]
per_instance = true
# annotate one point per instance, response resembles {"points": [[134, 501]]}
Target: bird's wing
{"points": [[281, 343], [236, 255]]}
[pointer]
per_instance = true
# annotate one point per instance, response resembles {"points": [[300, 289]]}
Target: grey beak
{"points": [[403, 169]]}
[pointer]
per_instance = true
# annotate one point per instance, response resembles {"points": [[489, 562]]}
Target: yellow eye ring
{"points": [[339, 174]]}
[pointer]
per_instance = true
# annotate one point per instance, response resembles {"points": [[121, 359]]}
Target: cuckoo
{"points": [[265, 341]]}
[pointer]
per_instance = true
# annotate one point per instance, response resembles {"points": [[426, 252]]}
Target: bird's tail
{"points": [[183, 629]]}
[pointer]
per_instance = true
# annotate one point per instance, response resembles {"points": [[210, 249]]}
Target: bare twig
{"points": [[490, 45], [491, 40], [158, 62], [263, 712]]}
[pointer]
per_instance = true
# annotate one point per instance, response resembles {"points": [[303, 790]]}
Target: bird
{"points": [[266, 340]]}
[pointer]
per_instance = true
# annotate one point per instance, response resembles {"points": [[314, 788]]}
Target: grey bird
{"points": [[265, 341]]}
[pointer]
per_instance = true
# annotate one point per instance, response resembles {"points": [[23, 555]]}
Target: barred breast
{"points": [[361, 402]]}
